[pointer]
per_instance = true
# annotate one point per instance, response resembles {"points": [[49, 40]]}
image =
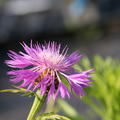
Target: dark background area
{"points": [[92, 26]]}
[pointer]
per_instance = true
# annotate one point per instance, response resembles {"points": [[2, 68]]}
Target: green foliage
{"points": [[19, 90], [12, 90], [51, 116], [64, 81], [69, 110], [104, 95]]}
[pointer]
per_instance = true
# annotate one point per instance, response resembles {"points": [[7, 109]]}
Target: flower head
{"points": [[41, 66]]}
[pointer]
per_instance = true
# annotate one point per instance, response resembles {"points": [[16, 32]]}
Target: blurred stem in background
{"points": [[69, 110], [104, 95]]}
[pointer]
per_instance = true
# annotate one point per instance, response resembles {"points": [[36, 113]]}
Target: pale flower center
{"points": [[51, 60]]}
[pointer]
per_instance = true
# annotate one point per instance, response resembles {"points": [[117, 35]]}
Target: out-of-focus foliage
{"points": [[19, 90], [51, 116], [104, 95], [69, 110]]}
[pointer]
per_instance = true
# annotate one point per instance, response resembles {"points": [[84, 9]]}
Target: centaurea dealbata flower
{"points": [[41, 66]]}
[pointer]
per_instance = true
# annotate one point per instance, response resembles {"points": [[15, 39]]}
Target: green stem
{"points": [[37, 104]]}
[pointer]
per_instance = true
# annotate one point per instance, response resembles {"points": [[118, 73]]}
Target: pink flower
{"points": [[41, 66]]}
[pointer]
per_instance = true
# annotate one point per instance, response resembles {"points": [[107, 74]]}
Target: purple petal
{"points": [[63, 90], [26, 76], [77, 89], [73, 58], [18, 61]]}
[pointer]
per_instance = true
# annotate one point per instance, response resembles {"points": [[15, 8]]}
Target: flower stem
{"points": [[37, 104]]}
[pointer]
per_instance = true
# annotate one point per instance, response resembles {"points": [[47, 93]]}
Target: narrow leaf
{"points": [[13, 90], [64, 81]]}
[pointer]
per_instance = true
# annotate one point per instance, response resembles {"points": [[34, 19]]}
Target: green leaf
{"points": [[19, 90], [29, 94], [51, 116], [64, 81], [13, 90]]}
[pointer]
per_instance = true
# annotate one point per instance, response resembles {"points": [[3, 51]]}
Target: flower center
{"points": [[42, 75], [46, 80]]}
